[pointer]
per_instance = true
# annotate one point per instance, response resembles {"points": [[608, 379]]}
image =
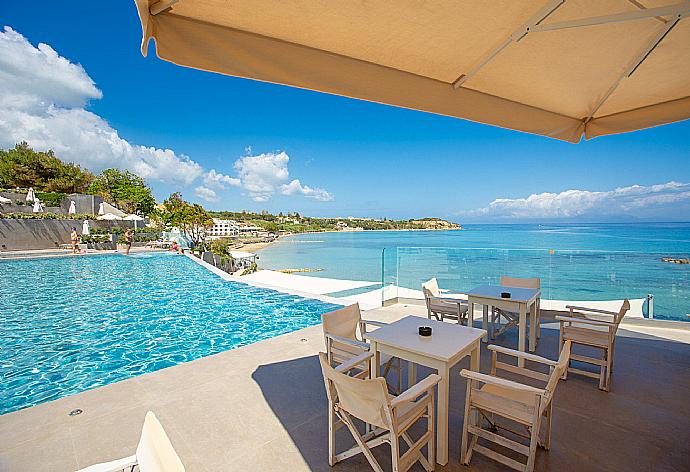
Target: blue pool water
{"points": [[71, 324], [574, 261]]}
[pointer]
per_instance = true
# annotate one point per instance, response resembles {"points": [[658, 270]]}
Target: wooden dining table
{"points": [[448, 344]]}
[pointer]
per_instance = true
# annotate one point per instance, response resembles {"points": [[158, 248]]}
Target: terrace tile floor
{"points": [[263, 407]]}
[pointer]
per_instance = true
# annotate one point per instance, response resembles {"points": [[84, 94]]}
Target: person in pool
{"points": [[74, 237], [128, 240]]}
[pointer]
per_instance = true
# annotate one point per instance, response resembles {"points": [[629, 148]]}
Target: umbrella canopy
{"points": [[5, 200], [85, 229], [559, 68], [72, 208], [133, 217], [38, 207], [101, 210], [30, 197], [108, 216]]}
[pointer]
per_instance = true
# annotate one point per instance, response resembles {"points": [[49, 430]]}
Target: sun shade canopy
{"points": [[558, 68]]}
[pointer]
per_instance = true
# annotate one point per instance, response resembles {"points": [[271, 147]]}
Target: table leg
{"points": [[533, 327], [375, 363], [411, 374], [442, 417], [470, 312], [485, 319], [474, 366], [522, 325]]}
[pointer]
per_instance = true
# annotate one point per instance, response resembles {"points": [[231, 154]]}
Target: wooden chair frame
{"points": [[512, 319], [579, 329], [523, 404], [340, 349], [398, 415], [440, 308]]}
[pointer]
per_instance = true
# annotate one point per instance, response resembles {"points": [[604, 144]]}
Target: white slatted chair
{"points": [[441, 308], [340, 330], [390, 416], [154, 453], [519, 403], [600, 333], [511, 318]]}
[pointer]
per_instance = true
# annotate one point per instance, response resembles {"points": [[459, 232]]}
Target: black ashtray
{"points": [[505, 294], [425, 330]]}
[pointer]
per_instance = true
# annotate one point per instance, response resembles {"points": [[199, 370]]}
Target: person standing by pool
{"points": [[74, 237], [128, 240]]}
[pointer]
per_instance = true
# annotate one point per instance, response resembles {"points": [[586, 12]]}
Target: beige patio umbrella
{"points": [[558, 68]]}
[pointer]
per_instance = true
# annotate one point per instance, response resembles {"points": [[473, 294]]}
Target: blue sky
{"points": [[349, 157]]}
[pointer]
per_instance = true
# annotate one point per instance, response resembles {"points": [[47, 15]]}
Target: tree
{"points": [[125, 190], [23, 167], [191, 218]]}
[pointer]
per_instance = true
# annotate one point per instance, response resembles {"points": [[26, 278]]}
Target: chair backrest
{"points": [[155, 453], [521, 282], [430, 288], [342, 322], [558, 371], [366, 399]]}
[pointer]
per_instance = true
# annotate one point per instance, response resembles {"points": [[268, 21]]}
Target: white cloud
{"points": [[296, 187], [42, 100], [265, 174], [206, 193], [218, 180], [635, 201]]}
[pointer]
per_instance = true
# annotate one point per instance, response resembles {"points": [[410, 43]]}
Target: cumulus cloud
{"points": [[206, 193], [635, 200], [42, 101], [218, 180], [295, 187], [264, 174]]}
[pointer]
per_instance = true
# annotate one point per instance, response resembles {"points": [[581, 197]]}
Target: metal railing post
{"points": [[650, 306]]}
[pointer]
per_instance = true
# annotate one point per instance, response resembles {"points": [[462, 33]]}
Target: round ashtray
{"points": [[505, 294], [425, 330]]}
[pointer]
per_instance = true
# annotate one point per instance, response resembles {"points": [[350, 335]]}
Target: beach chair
{"points": [[442, 308], [521, 407], [154, 453], [511, 318], [340, 329], [390, 417], [600, 333]]}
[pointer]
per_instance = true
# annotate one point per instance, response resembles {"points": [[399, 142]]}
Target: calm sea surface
{"points": [[575, 262]]}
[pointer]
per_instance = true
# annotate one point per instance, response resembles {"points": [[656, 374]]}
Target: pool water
{"points": [[75, 323]]}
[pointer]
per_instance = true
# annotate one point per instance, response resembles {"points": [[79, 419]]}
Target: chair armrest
{"points": [[373, 323], [571, 319], [523, 355], [416, 390], [112, 466], [351, 342], [354, 362], [490, 379], [453, 300], [592, 310]]}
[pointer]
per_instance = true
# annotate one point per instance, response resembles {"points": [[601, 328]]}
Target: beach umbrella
{"points": [[5, 200], [38, 207], [85, 230], [101, 210], [30, 197], [108, 217], [557, 68], [72, 208], [134, 218]]}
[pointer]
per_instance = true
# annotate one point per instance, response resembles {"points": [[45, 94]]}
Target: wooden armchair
{"points": [[340, 330], [600, 333], [391, 417], [512, 319], [521, 404], [442, 308]]}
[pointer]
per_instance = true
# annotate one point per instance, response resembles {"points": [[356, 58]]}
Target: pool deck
{"points": [[263, 407]]}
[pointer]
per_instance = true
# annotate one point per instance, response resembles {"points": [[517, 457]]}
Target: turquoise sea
{"points": [[575, 261]]}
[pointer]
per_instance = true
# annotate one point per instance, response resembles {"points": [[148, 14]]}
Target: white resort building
{"points": [[223, 229]]}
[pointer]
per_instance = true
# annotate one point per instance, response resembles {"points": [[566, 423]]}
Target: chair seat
{"points": [[587, 336], [448, 307], [510, 403]]}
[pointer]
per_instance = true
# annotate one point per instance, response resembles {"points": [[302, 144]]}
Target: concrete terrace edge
{"points": [[225, 276]]}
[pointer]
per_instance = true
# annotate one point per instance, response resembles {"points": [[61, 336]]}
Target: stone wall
{"points": [[17, 235]]}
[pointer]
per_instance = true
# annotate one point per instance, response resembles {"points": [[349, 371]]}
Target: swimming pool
{"points": [[75, 323]]}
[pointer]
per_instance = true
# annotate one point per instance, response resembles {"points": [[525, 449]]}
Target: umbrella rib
{"points": [[161, 6], [635, 64]]}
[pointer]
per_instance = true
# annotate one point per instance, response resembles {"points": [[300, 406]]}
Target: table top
{"points": [[494, 291], [446, 341]]}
